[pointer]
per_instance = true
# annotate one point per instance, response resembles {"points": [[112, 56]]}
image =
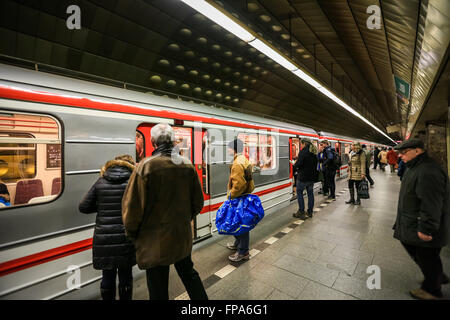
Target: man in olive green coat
{"points": [[163, 196], [423, 217]]}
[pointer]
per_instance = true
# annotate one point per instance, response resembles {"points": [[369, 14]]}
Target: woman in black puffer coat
{"points": [[112, 252]]}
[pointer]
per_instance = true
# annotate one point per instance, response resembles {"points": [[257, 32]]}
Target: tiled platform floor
{"points": [[325, 257]]}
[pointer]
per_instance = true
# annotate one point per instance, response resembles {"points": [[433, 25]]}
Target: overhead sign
{"points": [[402, 87]]}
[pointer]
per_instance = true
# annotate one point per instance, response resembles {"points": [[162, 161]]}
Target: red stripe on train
{"points": [[216, 206], [44, 256], [46, 97], [66, 250]]}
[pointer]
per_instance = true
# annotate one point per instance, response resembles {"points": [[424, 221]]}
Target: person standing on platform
{"points": [[357, 165], [376, 161], [368, 158], [423, 218], [320, 168], [382, 156], [162, 198], [239, 183], [392, 159], [329, 169], [112, 252], [306, 165]]}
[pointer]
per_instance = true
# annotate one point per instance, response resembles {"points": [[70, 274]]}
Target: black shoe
{"points": [[297, 214], [357, 202], [126, 292], [309, 214], [108, 294], [351, 201], [332, 197]]}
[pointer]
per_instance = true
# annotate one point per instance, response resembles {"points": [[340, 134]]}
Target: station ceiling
{"points": [[165, 47]]}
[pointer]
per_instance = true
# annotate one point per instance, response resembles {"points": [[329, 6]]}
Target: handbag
{"points": [[363, 189], [240, 215]]}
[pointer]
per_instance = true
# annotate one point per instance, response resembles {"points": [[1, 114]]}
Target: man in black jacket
{"points": [[329, 170], [423, 217], [376, 161], [306, 165]]}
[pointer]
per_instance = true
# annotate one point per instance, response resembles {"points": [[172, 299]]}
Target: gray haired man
{"points": [[163, 196]]}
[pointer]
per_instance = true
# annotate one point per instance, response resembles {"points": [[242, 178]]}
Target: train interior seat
{"points": [[28, 189], [56, 186], [42, 199]]}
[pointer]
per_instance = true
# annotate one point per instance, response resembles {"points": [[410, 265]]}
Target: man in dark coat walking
{"points": [[112, 252], [423, 217]]}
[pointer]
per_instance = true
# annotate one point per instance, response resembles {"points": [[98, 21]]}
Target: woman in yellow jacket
{"points": [[383, 159], [239, 183]]}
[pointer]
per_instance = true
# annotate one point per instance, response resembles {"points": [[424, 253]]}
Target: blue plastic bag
{"points": [[240, 215]]}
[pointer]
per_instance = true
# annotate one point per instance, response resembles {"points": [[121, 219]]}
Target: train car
{"points": [[55, 135], [57, 132]]}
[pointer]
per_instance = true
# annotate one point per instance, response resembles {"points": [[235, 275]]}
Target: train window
{"points": [[140, 146], [267, 158], [295, 148], [30, 159], [346, 153], [183, 141], [259, 150], [250, 147]]}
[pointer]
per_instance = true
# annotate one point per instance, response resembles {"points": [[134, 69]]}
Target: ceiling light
{"points": [[299, 73], [220, 18], [228, 22], [272, 54]]}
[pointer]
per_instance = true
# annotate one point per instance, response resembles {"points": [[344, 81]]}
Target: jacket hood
{"points": [[115, 170]]}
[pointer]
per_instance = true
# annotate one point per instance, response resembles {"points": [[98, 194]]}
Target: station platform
{"points": [[325, 257]]}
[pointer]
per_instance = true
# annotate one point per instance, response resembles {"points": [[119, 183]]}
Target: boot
{"points": [[108, 294], [126, 292], [352, 197], [358, 201]]}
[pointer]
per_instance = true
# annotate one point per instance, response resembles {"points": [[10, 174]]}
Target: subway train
{"points": [[57, 132]]}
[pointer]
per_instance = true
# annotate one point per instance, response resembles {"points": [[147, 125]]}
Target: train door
{"points": [[204, 223], [184, 138]]}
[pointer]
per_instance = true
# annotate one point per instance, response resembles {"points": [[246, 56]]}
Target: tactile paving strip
{"points": [[222, 273]]}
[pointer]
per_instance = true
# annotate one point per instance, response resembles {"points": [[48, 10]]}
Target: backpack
{"points": [[336, 159]]}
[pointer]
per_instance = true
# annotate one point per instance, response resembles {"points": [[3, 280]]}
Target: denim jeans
{"points": [[109, 278], [158, 281], [309, 190], [242, 242]]}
